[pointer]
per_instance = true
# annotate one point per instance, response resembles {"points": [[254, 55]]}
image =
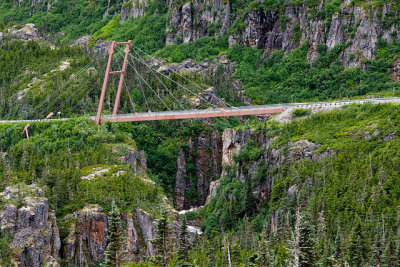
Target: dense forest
{"points": [[308, 187]]}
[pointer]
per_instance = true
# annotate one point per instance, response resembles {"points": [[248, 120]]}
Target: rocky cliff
{"points": [[88, 237], [286, 27], [262, 168], [26, 216], [283, 25], [198, 165]]}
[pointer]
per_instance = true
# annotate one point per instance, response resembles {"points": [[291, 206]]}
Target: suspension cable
{"points": [[195, 84], [48, 97], [130, 98], [185, 88], [141, 88], [149, 86], [62, 86], [61, 95], [163, 84]]}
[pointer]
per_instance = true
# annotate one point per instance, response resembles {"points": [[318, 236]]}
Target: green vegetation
{"points": [[335, 206], [116, 246], [162, 243], [148, 32], [300, 112], [206, 47], [74, 18], [357, 183], [30, 69], [5, 250], [54, 156], [281, 79]]}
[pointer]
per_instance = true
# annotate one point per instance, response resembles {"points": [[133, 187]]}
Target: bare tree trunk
{"points": [[229, 257], [296, 245]]}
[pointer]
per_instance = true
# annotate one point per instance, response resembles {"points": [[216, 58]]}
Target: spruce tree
{"points": [[116, 239], [304, 243], [389, 257], [378, 245], [358, 245], [264, 256], [163, 244], [307, 242], [183, 245], [338, 252]]}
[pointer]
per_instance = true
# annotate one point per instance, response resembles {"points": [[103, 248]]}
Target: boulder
{"points": [[28, 32]]}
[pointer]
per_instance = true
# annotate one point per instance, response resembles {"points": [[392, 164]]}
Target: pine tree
{"points": [[183, 245], [338, 253], [304, 243], [248, 199], [264, 256], [116, 241], [397, 253], [358, 245], [389, 257], [162, 242], [378, 245], [307, 242]]}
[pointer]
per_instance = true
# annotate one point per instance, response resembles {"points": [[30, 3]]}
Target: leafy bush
{"points": [[300, 112]]}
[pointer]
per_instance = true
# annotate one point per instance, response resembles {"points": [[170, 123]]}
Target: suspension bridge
{"points": [[134, 57]]}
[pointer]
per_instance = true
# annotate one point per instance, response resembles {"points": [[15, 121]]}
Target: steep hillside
{"points": [[306, 188]]}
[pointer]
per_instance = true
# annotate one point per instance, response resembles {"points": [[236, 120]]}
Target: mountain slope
{"points": [[321, 190]]}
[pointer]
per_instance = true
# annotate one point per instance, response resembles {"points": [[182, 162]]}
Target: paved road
{"points": [[225, 112]]}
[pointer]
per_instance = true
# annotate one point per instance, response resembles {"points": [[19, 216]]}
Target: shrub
{"points": [[300, 112]]}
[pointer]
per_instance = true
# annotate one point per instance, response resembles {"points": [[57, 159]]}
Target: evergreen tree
{"points": [[304, 243], [338, 253], [264, 257], [378, 245], [358, 245], [397, 242], [307, 242], [116, 239], [163, 244], [389, 257], [248, 199], [183, 245]]}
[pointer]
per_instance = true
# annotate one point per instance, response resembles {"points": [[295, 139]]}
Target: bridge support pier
{"points": [[111, 51]]}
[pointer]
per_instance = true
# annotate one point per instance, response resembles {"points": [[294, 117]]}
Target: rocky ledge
{"points": [[27, 217]]}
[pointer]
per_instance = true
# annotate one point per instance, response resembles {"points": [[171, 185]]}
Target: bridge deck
{"points": [[225, 112], [192, 114], [234, 111]]}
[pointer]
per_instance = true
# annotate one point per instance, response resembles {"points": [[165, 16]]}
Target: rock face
{"points": [[201, 162], [87, 240], [270, 158], [36, 240], [148, 228], [213, 190], [360, 27], [207, 158], [133, 9], [137, 160], [256, 25], [232, 143], [196, 19], [27, 33]]}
